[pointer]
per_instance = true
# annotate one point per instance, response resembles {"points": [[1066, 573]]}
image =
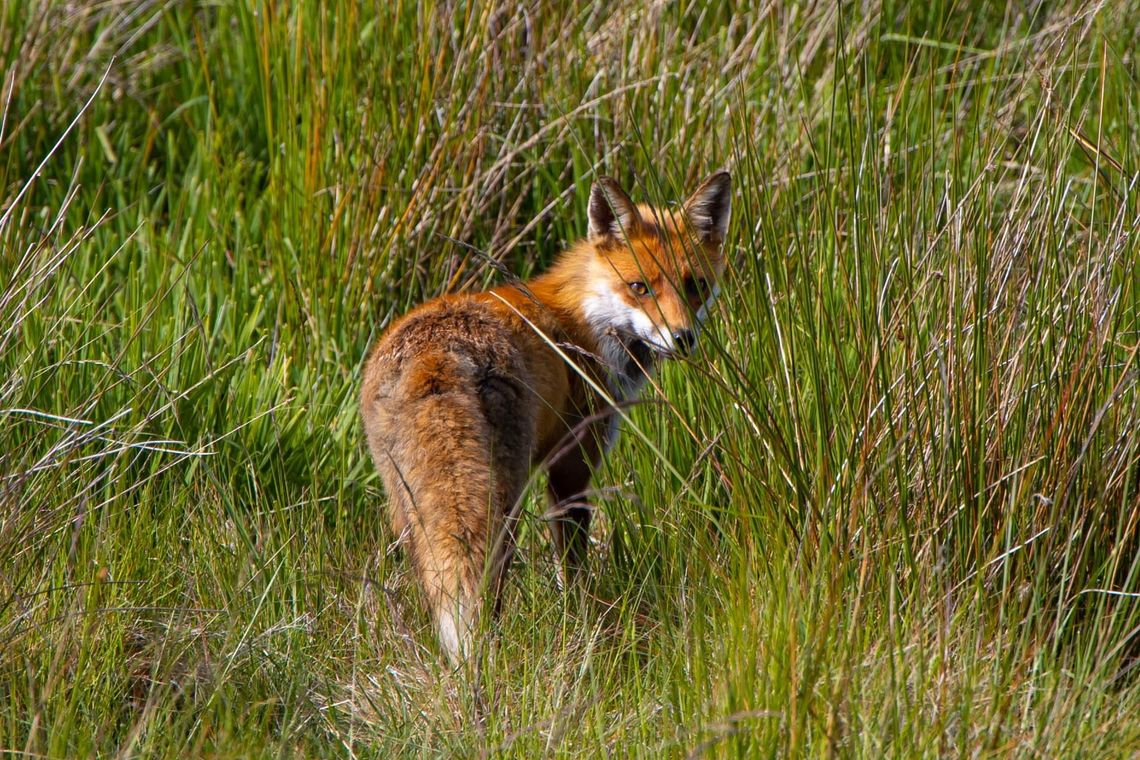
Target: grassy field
{"points": [[891, 509]]}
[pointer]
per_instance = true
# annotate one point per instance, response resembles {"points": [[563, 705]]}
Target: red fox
{"points": [[465, 394]]}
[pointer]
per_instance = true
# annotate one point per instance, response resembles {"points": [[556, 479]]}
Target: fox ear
{"points": [[611, 211], [709, 208]]}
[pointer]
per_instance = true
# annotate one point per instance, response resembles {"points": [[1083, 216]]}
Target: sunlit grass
{"points": [[899, 513]]}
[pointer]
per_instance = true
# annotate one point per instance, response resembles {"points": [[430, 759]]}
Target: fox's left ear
{"points": [[709, 208]]}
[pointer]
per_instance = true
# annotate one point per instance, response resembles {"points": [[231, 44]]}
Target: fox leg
{"points": [[509, 409], [569, 479]]}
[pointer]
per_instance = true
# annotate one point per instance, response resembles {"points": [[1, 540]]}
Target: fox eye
{"points": [[639, 289], [697, 288]]}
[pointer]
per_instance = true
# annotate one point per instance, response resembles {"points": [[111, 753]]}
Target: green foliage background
{"points": [[891, 509]]}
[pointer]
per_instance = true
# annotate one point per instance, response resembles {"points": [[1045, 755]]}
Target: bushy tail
{"points": [[452, 477]]}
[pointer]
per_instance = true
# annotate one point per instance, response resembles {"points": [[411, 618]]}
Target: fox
{"points": [[466, 394]]}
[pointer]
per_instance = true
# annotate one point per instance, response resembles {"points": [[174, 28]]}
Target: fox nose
{"points": [[685, 340]]}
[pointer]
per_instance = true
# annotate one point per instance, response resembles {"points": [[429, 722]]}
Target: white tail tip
{"points": [[456, 625]]}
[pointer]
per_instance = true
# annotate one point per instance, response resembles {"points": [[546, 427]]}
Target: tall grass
{"points": [[899, 512]]}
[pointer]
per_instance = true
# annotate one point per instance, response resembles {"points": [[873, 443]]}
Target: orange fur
{"points": [[464, 394]]}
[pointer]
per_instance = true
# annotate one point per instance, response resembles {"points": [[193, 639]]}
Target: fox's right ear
{"points": [[611, 212]]}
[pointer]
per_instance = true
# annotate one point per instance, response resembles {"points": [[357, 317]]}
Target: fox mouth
{"points": [[641, 348], [645, 353], [641, 358]]}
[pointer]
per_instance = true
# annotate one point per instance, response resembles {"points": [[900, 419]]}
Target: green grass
{"points": [[900, 511]]}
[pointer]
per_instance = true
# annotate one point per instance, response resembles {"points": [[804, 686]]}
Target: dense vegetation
{"points": [[891, 508]]}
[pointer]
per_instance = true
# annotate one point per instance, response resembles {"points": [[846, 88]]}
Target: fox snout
{"points": [[669, 343], [685, 341], [672, 324]]}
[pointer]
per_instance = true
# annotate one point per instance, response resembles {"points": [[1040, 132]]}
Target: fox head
{"points": [[654, 272]]}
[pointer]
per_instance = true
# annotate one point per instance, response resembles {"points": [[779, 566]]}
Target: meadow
{"points": [[891, 508]]}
